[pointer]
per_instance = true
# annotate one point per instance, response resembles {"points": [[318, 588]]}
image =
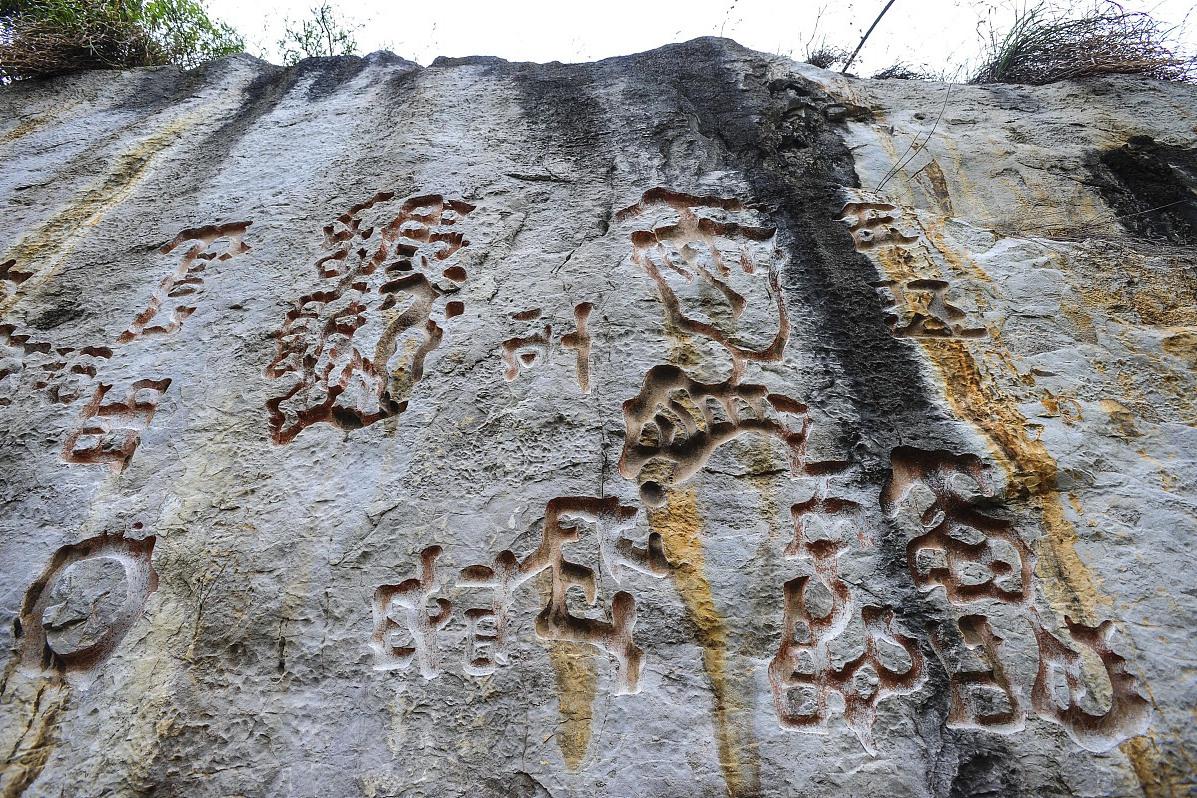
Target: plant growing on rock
{"points": [[1045, 46], [321, 35], [41, 38]]}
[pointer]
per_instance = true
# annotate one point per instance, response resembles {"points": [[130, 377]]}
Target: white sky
{"points": [[935, 35]]}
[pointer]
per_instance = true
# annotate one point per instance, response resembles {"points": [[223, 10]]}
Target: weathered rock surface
{"points": [[694, 423]]}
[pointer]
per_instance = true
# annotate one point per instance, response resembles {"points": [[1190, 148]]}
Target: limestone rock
{"points": [[690, 423]]}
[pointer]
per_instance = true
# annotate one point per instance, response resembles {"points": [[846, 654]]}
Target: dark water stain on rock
{"points": [[1152, 187], [986, 774]]}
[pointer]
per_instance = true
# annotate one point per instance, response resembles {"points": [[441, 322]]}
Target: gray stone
{"points": [[689, 423]]}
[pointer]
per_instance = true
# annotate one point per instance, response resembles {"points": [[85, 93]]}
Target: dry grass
{"points": [[41, 48], [1044, 47], [42, 38], [900, 71], [825, 56]]}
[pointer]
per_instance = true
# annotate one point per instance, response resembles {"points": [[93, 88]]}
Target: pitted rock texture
{"points": [[690, 423]]}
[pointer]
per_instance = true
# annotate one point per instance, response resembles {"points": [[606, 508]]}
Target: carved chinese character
{"points": [[578, 342], [110, 430], [523, 352], [707, 255], [408, 601], [555, 622], [350, 354], [875, 224], [1129, 713], [829, 512], [980, 696], [802, 673], [486, 627], [174, 300], [920, 309], [970, 554], [85, 602], [676, 423]]}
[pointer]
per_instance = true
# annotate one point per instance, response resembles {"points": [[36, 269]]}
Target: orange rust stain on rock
{"points": [[577, 684], [1030, 469], [1162, 774], [680, 527]]}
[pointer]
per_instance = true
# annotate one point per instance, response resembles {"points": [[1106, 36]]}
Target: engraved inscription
{"points": [[109, 430], [351, 353], [174, 300], [709, 257], [84, 603], [920, 309], [1129, 712]]}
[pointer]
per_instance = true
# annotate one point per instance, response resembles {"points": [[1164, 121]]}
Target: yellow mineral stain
{"points": [[756, 454], [680, 526], [1161, 774], [37, 741], [1069, 585], [976, 397], [1182, 344], [577, 685], [44, 250], [24, 128], [959, 262]]}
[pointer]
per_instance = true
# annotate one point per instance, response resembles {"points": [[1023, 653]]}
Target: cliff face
{"points": [[690, 423]]}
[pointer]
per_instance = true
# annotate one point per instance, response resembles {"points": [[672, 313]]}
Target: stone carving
{"points": [[84, 603], [802, 673], [174, 299], [524, 352], [351, 353], [1023, 318], [874, 225], [409, 600], [957, 553], [676, 423], [487, 627], [60, 374], [556, 622], [913, 307], [1129, 713], [980, 696], [713, 242], [486, 648], [959, 537], [578, 342], [109, 431], [919, 308]]}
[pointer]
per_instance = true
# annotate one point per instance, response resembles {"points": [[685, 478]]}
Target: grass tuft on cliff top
{"points": [[42, 38], [1044, 47]]}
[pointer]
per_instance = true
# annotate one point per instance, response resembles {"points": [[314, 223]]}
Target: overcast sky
{"points": [[935, 35]]}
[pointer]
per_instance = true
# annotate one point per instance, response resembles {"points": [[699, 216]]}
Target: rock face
{"points": [[695, 423]]}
